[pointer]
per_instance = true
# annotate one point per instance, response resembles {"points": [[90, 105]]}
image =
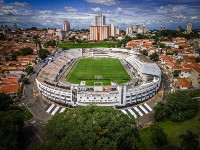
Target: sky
{"points": [[81, 13]]}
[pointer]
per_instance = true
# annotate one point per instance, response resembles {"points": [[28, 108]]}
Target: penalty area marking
{"points": [[98, 77]]}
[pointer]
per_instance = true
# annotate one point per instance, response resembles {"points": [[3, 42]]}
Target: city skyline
{"points": [[81, 13]]}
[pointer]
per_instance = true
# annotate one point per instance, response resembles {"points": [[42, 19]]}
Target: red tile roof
{"points": [[184, 83], [9, 88]]}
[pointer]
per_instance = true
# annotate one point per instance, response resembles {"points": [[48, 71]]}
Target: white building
{"points": [[66, 26], [112, 30], [189, 28], [117, 30], [136, 28], [100, 20], [61, 34], [129, 31]]}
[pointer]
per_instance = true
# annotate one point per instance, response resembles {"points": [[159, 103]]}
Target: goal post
{"points": [[98, 86]]}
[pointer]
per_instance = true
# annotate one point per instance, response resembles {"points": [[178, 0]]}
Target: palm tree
{"points": [[189, 141]]}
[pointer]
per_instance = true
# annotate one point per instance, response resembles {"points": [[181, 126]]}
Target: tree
{"points": [[25, 80], [91, 127], [159, 138], [197, 59], [139, 36], [180, 47], [189, 141], [2, 37], [10, 126], [5, 101], [43, 53], [29, 69], [176, 74], [124, 41], [179, 106], [162, 45], [11, 123], [36, 37], [26, 51], [144, 52], [159, 111], [51, 43], [14, 56], [154, 57]]}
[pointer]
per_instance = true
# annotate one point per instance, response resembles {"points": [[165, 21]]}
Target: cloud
{"points": [[45, 11], [102, 2], [7, 10], [194, 17], [70, 9], [154, 16], [24, 4], [97, 9], [1, 1], [183, 1]]}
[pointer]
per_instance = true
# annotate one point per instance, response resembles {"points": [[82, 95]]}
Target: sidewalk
{"points": [[152, 102]]}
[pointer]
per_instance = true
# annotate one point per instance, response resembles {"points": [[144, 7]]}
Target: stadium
{"points": [[104, 77]]}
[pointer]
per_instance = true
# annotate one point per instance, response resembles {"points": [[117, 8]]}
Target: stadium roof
{"points": [[151, 69]]}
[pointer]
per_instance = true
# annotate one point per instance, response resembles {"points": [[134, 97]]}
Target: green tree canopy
{"points": [[91, 127], [154, 57], [26, 51], [189, 141], [14, 56], [179, 106], [29, 69], [5, 101], [51, 43], [176, 74], [158, 136], [43, 53], [10, 126], [11, 123], [144, 52]]}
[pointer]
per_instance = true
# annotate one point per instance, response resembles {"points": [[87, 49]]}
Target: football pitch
{"points": [[98, 70]]}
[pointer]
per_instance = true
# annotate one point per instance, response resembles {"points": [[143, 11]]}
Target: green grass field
{"points": [[67, 45], [173, 131], [108, 68]]}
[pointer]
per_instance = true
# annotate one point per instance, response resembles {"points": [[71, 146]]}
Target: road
{"points": [[166, 83], [32, 102], [32, 132]]}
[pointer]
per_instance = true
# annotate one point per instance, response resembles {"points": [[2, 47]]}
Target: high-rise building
{"points": [[99, 33], [112, 30], [162, 28], [66, 26], [100, 20], [4, 27], [15, 28], [179, 29], [136, 28], [117, 30], [61, 34], [129, 31], [144, 29], [189, 28]]}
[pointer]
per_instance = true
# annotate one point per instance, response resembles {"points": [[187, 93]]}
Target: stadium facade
{"points": [[146, 79]]}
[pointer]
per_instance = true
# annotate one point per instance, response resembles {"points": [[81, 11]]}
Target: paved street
{"points": [[32, 102], [32, 132], [166, 84]]}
